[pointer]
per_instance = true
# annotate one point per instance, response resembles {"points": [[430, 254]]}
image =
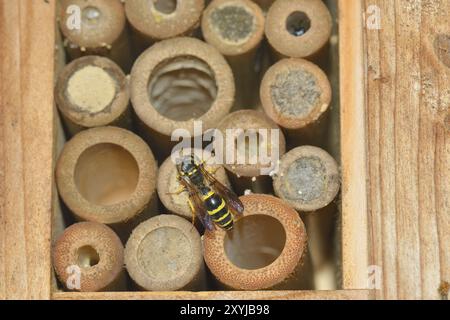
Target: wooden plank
{"points": [[355, 249], [26, 77], [408, 98], [220, 295]]}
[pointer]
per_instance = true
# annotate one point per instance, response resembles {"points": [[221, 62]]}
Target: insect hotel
{"points": [[224, 149]]}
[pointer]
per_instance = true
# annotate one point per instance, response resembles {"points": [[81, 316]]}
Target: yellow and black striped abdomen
{"points": [[218, 210]]}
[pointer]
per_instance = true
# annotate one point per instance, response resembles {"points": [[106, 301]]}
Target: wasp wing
{"points": [[233, 201], [197, 205]]}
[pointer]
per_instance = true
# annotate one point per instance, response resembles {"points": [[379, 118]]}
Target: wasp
{"points": [[210, 201]]}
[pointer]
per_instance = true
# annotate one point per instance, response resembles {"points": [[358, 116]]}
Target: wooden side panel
{"points": [[355, 248], [26, 135], [221, 295], [408, 99]]}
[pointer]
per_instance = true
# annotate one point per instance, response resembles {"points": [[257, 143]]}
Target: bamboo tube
{"points": [[246, 175], [299, 29], [108, 175], [93, 91], [154, 20], [236, 29], [296, 94], [101, 30], [164, 253], [88, 256], [168, 184], [308, 179], [175, 83], [264, 250]]}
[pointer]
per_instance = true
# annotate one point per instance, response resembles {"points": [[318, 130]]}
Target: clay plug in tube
{"points": [[108, 175], [89, 257], [299, 29], [91, 92], [155, 20], [264, 250], [164, 253], [296, 94], [168, 184], [175, 83], [309, 180], [236, 29], [95, 27], [248, 134]]}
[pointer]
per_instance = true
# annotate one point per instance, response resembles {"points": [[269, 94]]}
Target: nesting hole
{"points": [[88, 257], [233, 23], [305, 180], [164, 253], [106, 174], [91, 14], [165, 6], [91, 89], [182, 88], [298, 23], [255, 242]]}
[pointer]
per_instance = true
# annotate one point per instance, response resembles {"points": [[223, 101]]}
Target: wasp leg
{"points": [[210, 170], [192, 211], [213, 171], [178, 192]]}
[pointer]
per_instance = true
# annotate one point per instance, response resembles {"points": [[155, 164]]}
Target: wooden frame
{"points": [[27, 134]]}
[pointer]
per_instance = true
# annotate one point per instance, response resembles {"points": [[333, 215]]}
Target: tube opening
{"points": [[305, 180], [91, 15], [256, 242], [106, 174], [295, 93], [91, 89], [87, 257], [233, 23], [165, 6], [298, 23], [182, 88], [164, 253]]}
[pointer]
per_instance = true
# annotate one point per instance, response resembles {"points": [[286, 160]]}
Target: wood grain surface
{"points": [[408, 98], [26, 142], [221, 295]]}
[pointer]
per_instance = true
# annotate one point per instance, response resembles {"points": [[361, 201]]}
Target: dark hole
{"points": [[298, 23]]}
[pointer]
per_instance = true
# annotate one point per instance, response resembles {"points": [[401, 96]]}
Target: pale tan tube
{"points": [[108, 175], [168, 184], [154, 20], [236, 29], [249, 176], [93, 91], [264, 250], [298, 29], [165, 254], [175, 83], [309, 181], [296, 94], [88, 256], [102, 29]]}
